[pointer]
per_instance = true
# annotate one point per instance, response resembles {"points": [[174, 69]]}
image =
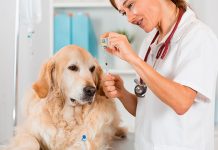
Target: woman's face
{"points": [[144, 13]]}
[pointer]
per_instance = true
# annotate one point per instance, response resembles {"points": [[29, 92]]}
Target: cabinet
{"points": [[104, 18]]}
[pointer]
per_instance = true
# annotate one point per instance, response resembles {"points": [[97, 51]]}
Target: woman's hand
{"points": [[119, 45], [113, 86]]}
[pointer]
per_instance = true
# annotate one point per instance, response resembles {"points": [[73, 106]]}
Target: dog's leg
{"points": [[81, 145], [24, 142]]}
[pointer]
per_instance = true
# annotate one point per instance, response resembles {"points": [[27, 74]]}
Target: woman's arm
{"points": [[178, 97], [129, 101]]}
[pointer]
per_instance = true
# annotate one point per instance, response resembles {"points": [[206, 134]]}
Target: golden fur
{"points": [[54, 122]]}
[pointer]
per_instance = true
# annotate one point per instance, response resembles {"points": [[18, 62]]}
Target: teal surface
{"points": [[62, 35], [76, 29]]}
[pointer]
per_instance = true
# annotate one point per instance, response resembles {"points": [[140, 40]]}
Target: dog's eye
{"points": [[92, 69], [73, 68]]}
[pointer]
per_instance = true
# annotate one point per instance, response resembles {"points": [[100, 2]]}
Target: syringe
{"points": [[104, 44]]}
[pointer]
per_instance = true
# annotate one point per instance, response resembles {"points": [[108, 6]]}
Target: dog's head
{"points": [[74, 72]]}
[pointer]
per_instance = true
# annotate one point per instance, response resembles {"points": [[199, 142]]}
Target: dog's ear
{"points": [[45, 81], [99, 76]]}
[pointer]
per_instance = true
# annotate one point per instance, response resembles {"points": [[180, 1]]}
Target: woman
{"points": [[178, 65]]}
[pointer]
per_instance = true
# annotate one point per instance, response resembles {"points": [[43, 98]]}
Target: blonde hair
{"points": [[179, 3]]}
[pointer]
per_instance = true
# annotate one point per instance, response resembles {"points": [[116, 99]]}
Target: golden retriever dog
{"points": [[66, 108]]}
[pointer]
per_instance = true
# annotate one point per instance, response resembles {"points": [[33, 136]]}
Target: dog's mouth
{"points": [[85, 100]]}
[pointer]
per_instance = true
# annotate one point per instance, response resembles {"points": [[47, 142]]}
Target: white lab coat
{"points": [[191, 61]]}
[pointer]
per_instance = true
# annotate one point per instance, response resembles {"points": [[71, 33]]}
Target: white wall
{"points": [[33, 53], [30, 60], [207, 11], [7, 31]]}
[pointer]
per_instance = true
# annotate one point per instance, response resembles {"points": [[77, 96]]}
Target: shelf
{"points": [[82, 3]]}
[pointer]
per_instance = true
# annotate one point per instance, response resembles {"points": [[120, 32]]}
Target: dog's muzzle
{"points": [[89, 91], [87, 96]]}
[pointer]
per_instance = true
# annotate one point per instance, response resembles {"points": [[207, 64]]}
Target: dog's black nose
{"points": [[89, 91]]}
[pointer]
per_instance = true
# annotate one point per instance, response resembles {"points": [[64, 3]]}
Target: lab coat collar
{"points": [[188, 17]]}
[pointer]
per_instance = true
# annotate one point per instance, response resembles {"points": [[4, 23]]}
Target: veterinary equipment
{"points": [[104, 44]]}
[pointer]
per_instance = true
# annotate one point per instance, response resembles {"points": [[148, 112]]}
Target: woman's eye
{"points": [[73, 68], [92, 69], [123, 13], [130, 6]]}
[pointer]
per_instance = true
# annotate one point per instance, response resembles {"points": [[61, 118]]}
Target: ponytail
{"points": [[113, 4], [180, 3]]}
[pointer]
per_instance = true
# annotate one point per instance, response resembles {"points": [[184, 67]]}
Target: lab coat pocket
{"points": [[166, 147]]}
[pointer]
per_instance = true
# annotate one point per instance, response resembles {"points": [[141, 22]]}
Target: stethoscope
{"points": [[141, 88]]}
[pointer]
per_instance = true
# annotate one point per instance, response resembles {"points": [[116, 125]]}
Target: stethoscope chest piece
{"points": [[140, 89]]}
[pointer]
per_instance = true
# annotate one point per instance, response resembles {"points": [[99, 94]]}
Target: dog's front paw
{"points": [[120, 133]]}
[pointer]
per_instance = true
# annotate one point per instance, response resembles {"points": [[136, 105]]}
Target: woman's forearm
{"points": [[129, 101], [177, 96]]}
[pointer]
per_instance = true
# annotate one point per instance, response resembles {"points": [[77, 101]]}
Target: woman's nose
{"points": [[130, 16]]}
